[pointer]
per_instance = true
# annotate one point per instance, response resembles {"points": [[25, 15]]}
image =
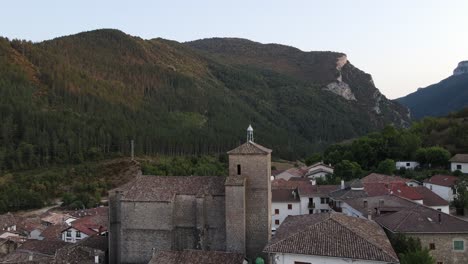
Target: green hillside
{"points": [[439, 99], [83, 96]]}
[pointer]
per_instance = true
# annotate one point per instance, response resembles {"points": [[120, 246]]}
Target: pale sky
{"points": [[404, 44]]}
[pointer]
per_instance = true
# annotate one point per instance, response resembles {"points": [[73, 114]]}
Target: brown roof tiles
{"points": [[196, 257], [442, 180], [250, 148], [332, 235], [461, 158]]}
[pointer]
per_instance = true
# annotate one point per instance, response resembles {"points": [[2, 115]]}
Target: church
{"points": [[214, 213]]}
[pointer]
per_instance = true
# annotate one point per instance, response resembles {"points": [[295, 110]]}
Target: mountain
{"points": [[80, 96], [449, 95]]}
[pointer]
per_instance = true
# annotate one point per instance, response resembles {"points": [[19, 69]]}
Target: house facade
{"points": [[284, 202], [409, 165], [442, 185], [459, 162]]}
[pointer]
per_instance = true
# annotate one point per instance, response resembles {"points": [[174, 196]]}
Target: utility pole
{"points": [[132, 146]]}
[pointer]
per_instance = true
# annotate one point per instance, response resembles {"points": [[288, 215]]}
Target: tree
{"points": [[437, 156], [314, 158], [419, 257], [409, 250], [348, 170], [460, 202], [386, 167]]}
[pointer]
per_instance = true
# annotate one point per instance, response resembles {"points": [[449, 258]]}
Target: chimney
{"points": [[365, 203], [294, 194], [30, 258], [96, 256], [440, 218], [369, 214], [342, 185], [313, 182]]}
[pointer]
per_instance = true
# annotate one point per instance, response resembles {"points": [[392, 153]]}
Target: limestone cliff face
{"points": [[339, 87], [462, 68]]}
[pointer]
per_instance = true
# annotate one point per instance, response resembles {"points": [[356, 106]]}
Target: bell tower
{"points": [[249, 167]]}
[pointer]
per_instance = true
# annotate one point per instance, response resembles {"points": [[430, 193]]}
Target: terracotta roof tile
{"points": [[430, 198], [42, 246], [317, 190], [164, 188], [284, 195], [462, 158], [442, 180], [382, 178], [332, 235], [250, 148], [196, 257]]}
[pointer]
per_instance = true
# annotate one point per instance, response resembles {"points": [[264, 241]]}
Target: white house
{"points": [[442, 185], [332, 238], [409, 165], [318, 170], [73, 235], [85, 227], [459, 162], [284, 202], [315, 198]]}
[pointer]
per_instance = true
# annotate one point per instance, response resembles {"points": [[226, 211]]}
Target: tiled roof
{"points": [[317, 190], [55, 218], [96, 242], [442, 180], [27, 225], [295, 172], [196, 257], [102, 210], [82, 252], [422, 219], [347, 193], [384, 203], [462, 158], [284, 184], [42, 246], [89, 224], [319, 164], [53, 232], [332, 235], [284, 195], [382, 178], [430, 198], [7, 220], [250, 148], [164, 188], [18, 257]]}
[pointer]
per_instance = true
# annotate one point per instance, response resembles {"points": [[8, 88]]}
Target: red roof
{"points": [[430, 198], [442, 180], [91, 224], [382, 178], [396, 188]]}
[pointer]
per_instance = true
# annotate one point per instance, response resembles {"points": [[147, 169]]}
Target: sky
{"points": [[404, 44]]}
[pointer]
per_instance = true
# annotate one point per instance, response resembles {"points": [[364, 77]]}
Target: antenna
{"points": [[250, 137]]}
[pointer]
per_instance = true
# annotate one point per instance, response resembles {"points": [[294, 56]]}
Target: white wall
{"points": [[443, 209], [73, 238], [291, 258], [410, 165], [464, 166], [444, 192], [318, 205], [283, 211], [320, 174]]}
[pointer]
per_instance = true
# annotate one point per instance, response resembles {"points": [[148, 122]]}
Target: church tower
{"points": [[248, 198]]}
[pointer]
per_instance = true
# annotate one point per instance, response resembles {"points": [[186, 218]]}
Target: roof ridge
{"points": [[359, 235]]}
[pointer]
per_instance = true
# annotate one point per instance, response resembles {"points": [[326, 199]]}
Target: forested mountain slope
{"points": [[80, 96], [449, 95]]}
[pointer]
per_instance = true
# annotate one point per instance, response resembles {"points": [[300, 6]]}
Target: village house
{"points": [[86, 226], [459, 162], [318, 170], [197, 256], [210, 213], [406, 164], [330, 238], [291, 173], [87, 251], [443, 234], [442, 185], [284, 202], [7, 246], [34, 251], [7, 222]]}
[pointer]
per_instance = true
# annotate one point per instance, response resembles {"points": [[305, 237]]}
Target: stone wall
{"points": [[443, 251], [235, 217], [257, 171]]}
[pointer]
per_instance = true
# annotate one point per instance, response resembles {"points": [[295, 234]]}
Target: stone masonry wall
{"points": [[257, 170], [444, 247]]}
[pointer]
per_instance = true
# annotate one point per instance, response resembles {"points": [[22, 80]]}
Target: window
{"points": [[276, 211], [408, 164], [324, 200], [238, 169], [276, 222], [69, 233], [459, 245], [311, 211], [432, 246], [458, 167], [454, 190], [78, 234], [289, 206], [439, 209]]}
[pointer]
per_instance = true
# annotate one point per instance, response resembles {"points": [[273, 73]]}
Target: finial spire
{"points": [[250, 137]]}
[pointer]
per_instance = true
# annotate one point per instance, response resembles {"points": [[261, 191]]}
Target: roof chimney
{"points": [[342, 185], [30, 258], [313, 182]]}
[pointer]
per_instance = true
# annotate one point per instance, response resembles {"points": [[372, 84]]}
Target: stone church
{"points": [[220, 213]]}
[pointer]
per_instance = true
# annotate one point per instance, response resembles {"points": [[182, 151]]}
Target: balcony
{"points": [[311, 205]]}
